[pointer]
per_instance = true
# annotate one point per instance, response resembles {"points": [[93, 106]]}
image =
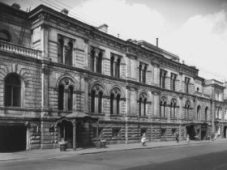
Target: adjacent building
{"points": [[63, 79]]}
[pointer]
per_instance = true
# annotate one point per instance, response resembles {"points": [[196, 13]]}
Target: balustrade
{"points": [[16, 49]]}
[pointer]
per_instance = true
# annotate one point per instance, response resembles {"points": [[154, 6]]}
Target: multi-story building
{"points": [[61, 78]]}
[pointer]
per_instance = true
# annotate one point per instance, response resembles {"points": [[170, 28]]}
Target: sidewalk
{"points": [[55, 153]]}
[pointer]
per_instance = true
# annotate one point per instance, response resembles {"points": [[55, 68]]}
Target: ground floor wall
{"points": [[84, 132]]}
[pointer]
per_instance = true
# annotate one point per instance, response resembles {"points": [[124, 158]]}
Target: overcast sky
{"points": [[196, 30]]}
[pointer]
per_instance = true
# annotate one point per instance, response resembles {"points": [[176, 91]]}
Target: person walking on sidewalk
{"points": [[143, 139], [177, 137], [188, 138]]}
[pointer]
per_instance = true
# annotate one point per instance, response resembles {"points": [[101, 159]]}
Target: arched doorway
{"points": [[65, 131]]}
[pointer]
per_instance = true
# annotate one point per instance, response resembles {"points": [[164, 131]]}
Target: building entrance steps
{"points": [[55, 153]]}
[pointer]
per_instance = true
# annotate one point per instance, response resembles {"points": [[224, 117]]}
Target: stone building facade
{"points": [[63, 79]]}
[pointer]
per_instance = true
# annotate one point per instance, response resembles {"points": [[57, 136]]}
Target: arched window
{"points": [[93, 101], [142, 104], [61, 97], [100, 102], [206, 113], [65, 95], [163, 104], [96, 99], [198, 112], [12, 90], [173, 107], [187, 110], [70, 98], [115, 97]]}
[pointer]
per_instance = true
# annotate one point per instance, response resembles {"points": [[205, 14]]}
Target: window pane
{"points": [[68, 53], [61, 97], [16, 96], [12, 90], [8, 95], [93, 101], [70, 99]]}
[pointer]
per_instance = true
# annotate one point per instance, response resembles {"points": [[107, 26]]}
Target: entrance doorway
{"points": [[12, 138], [225, 131], [66, 132], [191, 131]]}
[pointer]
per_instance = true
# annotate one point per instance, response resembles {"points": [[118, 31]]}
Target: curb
{"points": [[64, 155]]}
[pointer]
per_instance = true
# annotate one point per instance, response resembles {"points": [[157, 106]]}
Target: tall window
{"points": [[163, 104], [96, 59], [68, 53], [142, 105], [115, 63], [173, 79], [187, 81], [163, 78], [198, 112], [96, 99], [206, 113], [218, 113], [115, 101], [12, 90], [65, 50], [65, 95], [142, 72], [187, 109], [60, 49], [173, 107]]}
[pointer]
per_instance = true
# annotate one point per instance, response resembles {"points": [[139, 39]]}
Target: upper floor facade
{"points": [[48, 36]]}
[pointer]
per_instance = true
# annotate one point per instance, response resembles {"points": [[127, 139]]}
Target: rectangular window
{"points": [[115, 63], [97, 131], [162, 78], [187, 81], [142, 72], [173, 81], [116, 132], [65, 50]]}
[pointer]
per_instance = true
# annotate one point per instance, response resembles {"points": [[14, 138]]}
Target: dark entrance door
{"points": [[204, 131], [225, 129], [66, 132], [12, 138], [191, 132]]}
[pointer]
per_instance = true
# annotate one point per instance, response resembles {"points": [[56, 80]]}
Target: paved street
{"points": [[200, 156]]}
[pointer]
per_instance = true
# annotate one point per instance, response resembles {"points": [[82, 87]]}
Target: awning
{"points": [[77, 115]]}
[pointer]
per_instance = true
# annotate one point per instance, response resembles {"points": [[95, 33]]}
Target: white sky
{"points": [[196, 30]]}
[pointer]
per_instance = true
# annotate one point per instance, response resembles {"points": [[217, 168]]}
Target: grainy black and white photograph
{"points": [[113, 85]]}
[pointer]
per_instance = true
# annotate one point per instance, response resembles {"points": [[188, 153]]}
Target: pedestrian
{"points": [[188, 138], [177, 137], [143, 139]]}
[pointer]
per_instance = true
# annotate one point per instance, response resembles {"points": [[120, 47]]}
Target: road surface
{"points": [[209, 156]]}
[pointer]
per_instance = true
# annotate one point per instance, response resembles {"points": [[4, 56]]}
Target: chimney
{"points": [[15, 6], [103, 28], [65, 11], [156, 42]]}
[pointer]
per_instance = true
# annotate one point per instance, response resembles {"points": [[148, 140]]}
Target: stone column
{"points": [[156, 74], [180, 115], [96, 59], [44, 32], [156, 104], [74, 134], [66, 96]]}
